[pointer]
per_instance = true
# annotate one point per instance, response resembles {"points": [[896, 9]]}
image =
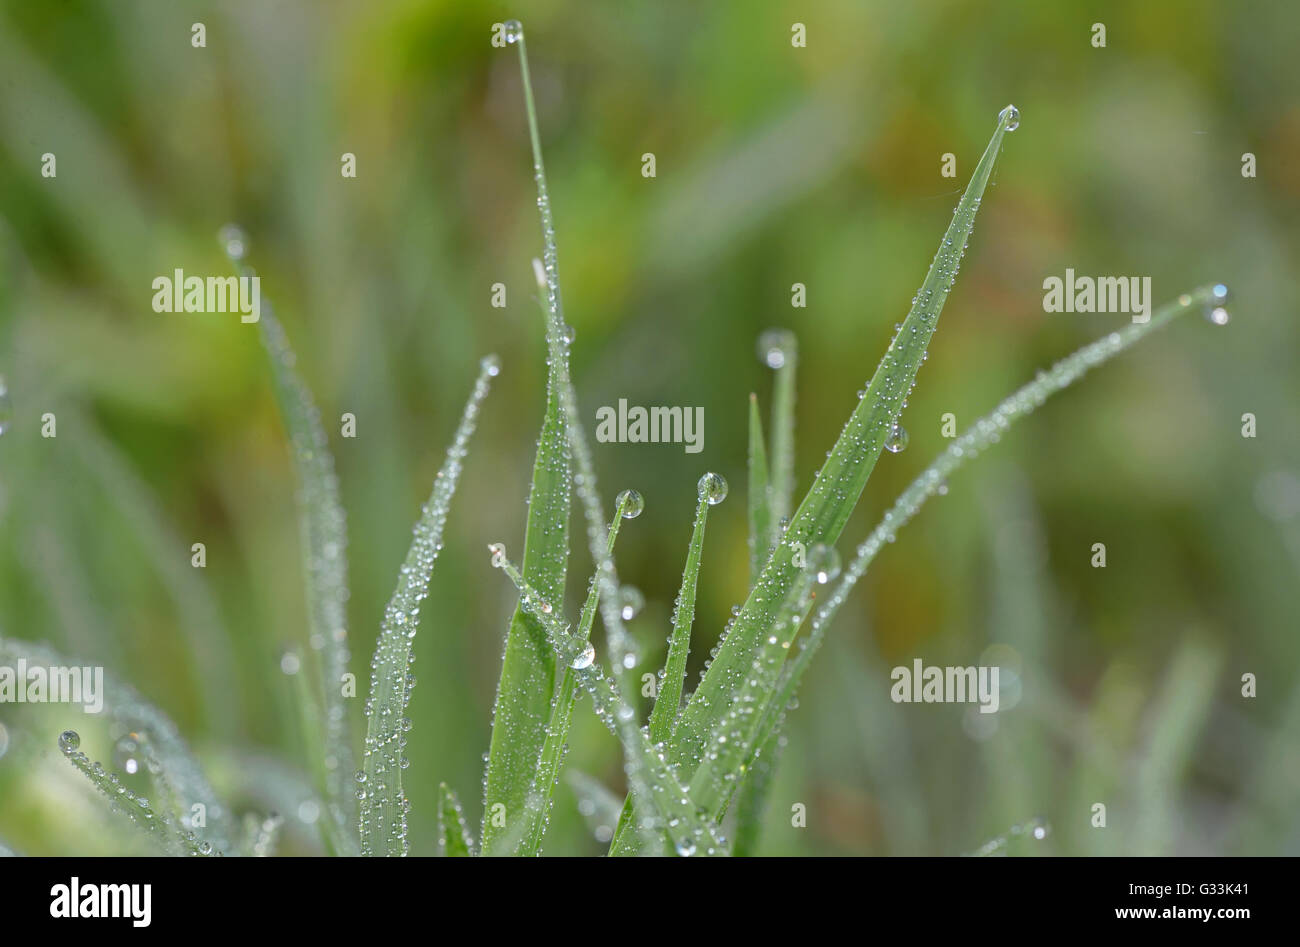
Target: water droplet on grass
{"points": [[1012, 116], [630, 602], [775, 346], [514, 31], [823, 563], [897, 439], [632, 503], [712, 487], [585, 659], [69, 741], [233, 241]]}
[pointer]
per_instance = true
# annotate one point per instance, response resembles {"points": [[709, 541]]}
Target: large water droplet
{"points": [[585, 659], [712, 487], [514, 31], [498, 551], [69, 740], [775, 347], [1011, 115], [631, 502], [823, 563], [897, 439]]}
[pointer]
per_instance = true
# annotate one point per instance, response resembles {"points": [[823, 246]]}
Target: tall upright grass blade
{"points": [[759, 495], [668, 701], [523, 703], [557, 730], [835, 491], [653, 779], [323, 527], [379, 783], [781, 353], [453, 832], [982, 434]]}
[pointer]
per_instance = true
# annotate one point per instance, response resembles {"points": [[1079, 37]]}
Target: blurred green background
{"points": [[775, 165]]}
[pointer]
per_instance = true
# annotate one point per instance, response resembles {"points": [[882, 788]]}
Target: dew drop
{"points": [[490, 364], [631, 502], [775, 347], [1012, 116], [1217, 315], [69, 740], [712, 487], [290, 663], [897, 439], [823, 563], [514, 31], [630, 602], [498, 551], [233, 241], [685, 848], [585, 659], [126, 754], [567, 333]]}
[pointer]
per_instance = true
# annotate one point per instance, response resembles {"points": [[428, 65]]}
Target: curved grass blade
{"points": [[323, 527], [557, 730], [827, 506], [652, 777], [982, 434], [174, 761], [523, 703], [453, 832], [383, 804]]}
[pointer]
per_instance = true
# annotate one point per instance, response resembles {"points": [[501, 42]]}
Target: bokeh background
{"points": [[775, 165]]}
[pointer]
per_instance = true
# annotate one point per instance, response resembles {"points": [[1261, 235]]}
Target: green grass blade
{"points": [[523, 703], [751, 800], [652, 777], [667, 706], [557, 731], [323, 527], [453, 832], [825, 509], [379, 784], [760, 498], [781, 354], [982, 434], [131, 714]]}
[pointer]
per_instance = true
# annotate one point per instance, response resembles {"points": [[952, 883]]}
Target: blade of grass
{"points": [[323, 527], [667, 706], [782, 355], [132, 714], [557, 730], [982, 434], [650, 772], [835, 491], [383, 803], [527, 686], [453, 832], [760, 499]]}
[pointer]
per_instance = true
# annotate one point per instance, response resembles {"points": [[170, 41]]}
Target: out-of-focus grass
{"points": [[775, 166]]}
